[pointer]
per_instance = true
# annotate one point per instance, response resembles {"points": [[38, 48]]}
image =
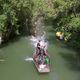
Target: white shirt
{"points": [[44, 44], [61, 37], [0, 39]]}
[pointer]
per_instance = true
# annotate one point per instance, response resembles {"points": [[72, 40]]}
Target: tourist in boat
{"points": [[58, 34], [0, 40], [46, 62], [61, 36], [38, 49], [41, 49]]}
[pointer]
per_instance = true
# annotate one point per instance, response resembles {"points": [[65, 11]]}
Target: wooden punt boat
{"points": [[44, 69]]}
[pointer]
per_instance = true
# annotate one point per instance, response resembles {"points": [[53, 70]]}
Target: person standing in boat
{"points": [[38, 49], [41, 49], [60, 35]]}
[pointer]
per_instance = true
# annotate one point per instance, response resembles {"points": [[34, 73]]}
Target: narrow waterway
{"points": [[14, 66]]}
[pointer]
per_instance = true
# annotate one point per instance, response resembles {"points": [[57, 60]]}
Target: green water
{"points": [[16, 68]]}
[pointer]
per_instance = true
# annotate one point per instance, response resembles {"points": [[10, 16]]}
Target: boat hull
{"points": [[46, 68]]}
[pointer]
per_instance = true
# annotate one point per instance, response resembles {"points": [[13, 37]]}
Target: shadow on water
{"points": [[51, 33], [48, 21], [52, 39], [69, 57], [72, 61], [3, 55], [12, 40]]}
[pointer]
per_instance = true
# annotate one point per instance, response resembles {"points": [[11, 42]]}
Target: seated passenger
{"points": [[46, 60], [61, 36]]}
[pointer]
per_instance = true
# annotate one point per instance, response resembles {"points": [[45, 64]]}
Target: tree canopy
{"points": [[18, 16]]}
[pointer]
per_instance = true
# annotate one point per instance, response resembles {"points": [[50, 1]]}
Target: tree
{"points": [[15, 16], [67, 19]]}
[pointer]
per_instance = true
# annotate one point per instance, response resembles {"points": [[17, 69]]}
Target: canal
{"points": [[14, 66]]}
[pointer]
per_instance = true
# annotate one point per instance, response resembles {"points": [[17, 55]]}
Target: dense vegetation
{"points": [[65, 16], [19, 16], [15, 17], [67, 19]]}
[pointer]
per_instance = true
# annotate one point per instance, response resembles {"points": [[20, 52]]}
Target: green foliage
{"points": [[45, 6], [15, 16], [3, 20], [68, 19]]}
